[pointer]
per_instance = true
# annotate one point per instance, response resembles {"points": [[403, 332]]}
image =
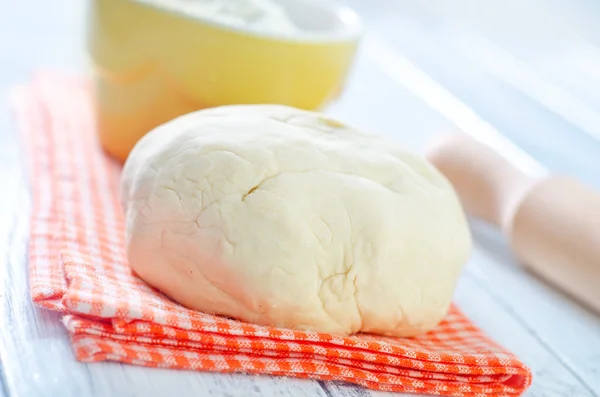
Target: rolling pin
{"points": [[552, 223]]}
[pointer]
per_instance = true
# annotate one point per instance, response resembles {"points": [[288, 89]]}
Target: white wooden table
{"points": [[416, 74]]}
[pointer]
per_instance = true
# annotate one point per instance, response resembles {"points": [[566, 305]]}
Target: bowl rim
{"points": [[352, 31]]}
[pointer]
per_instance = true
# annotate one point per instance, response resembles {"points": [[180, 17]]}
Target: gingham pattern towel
{"points": [[78, 266]]}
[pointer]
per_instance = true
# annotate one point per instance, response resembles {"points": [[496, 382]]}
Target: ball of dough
{"points": [[282, 217]]}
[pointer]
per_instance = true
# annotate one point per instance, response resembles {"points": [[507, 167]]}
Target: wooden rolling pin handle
{"points": [[553, 224], [489, 186]]}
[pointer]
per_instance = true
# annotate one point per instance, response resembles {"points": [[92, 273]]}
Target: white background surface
{"points": [[527, 73]]}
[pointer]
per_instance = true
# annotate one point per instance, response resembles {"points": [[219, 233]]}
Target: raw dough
{"points": [[283, 217]]}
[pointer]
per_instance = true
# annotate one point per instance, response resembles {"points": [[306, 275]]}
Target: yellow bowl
{"points": [[152, 64]]}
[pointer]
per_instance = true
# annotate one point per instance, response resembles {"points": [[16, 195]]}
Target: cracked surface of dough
{"points": [[283, 217]]}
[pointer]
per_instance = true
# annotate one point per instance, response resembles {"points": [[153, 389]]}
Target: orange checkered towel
{"points": [[78, 266]]}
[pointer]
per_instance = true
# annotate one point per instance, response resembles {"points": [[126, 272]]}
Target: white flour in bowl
{"points": [[259, 15]]}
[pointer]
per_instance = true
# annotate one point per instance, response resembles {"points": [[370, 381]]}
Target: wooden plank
{"points": [[342, 390], [525, 121], [576, 68], [551, 376], [508, 68], [375, 103], [568, 330]]}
